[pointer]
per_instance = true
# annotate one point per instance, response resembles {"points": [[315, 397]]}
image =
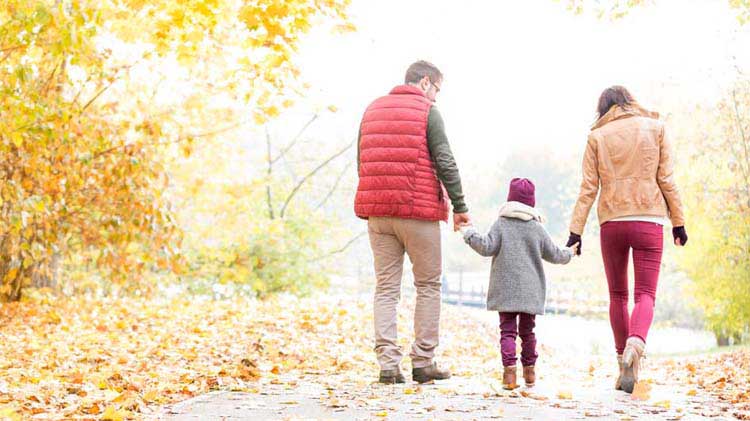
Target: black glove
{"points": [[679, 232], [575, 238]]}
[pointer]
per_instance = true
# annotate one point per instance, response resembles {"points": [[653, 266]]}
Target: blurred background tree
{"points": [[717, 187], [95, 106]]}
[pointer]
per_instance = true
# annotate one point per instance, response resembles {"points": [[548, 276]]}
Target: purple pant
{"points": [[517, 324], [645, 239]]}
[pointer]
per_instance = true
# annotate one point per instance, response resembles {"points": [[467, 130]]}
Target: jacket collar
{"points": [[617, 113], [406, 90], [518, 210]]}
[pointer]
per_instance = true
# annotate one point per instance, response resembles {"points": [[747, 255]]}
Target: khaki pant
{"points": [[389, 238]]}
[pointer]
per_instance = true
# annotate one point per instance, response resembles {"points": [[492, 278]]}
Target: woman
{"points": [[629, 157]]}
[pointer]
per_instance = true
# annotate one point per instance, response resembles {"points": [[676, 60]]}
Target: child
{"points": [[517, 243]]}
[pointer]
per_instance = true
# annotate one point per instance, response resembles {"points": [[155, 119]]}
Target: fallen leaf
{"points": [[641, 391], [113, 414], [565, 394]]}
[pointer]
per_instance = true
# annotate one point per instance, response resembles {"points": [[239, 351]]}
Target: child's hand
{"points": [[465, 227], [574, 248]]}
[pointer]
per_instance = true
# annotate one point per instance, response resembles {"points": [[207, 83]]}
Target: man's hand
{"points": [[574, 248], [460, 219]]}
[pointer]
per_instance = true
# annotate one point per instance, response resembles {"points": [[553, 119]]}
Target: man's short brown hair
{"points": [[420, 69]]}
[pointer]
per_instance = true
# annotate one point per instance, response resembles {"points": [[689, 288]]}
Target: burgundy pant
{"points": [[646, 241], [517, 324]]}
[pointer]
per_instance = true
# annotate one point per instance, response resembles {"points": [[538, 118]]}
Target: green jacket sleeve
{"points": [[445, 164], [359, 138]]}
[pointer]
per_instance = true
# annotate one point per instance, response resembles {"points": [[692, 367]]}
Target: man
{"points": [[405, 168]]}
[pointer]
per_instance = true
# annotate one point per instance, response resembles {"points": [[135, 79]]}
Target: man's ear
{"points": [[424, 83]]}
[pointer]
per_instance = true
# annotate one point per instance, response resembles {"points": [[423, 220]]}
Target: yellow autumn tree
{"points": [[717, 199], [616, 9], [83, 138]]}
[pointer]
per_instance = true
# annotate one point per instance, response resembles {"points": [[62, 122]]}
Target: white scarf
{"points": [[520, 211]]}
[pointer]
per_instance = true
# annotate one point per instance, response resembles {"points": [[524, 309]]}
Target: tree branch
{"points": [[178, 140], [15, 47], [51, 75], [340, 250], [744, 166], [96, 96], [6, 56], [286, 148], [310, 174], [80, 91], [115, 78], [270, 169], [335, 186]]}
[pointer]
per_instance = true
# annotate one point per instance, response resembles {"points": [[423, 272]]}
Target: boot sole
{"points": [[423, 380], [391, 380]]}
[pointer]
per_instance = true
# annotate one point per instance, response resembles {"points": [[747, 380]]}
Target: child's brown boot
{"points": [[509, 378], [529, 376]]}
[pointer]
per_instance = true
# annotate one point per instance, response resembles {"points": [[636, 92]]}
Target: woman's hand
{"points": [[680, 236], [575, 239]]}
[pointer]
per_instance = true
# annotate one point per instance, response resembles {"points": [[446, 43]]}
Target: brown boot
{"points": [[429, 373], [631, 359], [529, 376], [618, 382], [391, 376], [509, 377]]}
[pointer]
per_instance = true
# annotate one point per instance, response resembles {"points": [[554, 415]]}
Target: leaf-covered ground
{"points": [[311, 358]]}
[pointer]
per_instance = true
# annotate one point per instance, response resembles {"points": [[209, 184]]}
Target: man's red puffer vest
{"points": [[397, 176]]}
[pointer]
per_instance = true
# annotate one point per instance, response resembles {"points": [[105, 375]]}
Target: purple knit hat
{"points": [[522, 190]]}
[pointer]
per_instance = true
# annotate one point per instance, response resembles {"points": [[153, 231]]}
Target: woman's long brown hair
{"points": [[614, 95]]}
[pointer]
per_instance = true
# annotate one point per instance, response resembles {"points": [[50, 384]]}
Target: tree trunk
{"points": [[49, 278], [16, 286], [9, 290], [722, 340]]}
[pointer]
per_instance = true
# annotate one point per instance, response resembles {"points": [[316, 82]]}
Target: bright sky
{"points": [[523, 72]]}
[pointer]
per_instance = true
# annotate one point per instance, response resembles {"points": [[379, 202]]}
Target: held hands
{"points": [[460, 219], [463, 228], [575, 243], [680, 236]]}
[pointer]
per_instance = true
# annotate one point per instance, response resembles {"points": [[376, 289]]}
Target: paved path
{"points": [[346, 398], [575, 380]]}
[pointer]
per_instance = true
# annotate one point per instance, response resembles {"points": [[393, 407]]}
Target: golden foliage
{"points": [[85, 130], [617, 9], [717, 199]]}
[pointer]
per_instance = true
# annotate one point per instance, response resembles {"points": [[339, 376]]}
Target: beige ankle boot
{"points": [[635, 348], [621, 367]]}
